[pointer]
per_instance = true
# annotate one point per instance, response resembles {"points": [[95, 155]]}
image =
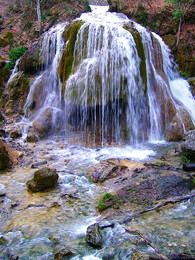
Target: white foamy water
{"points": [[122, 82], [99, 9]]}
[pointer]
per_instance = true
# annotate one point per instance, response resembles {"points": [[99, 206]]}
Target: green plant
{"points": [[107, 200], [87, 8], [44, 16], [187, 157], [144, 19], [181, 8], [15, 54]]}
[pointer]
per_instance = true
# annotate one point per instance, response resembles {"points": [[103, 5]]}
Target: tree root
{"points": [[147, 242], [162, 204]]}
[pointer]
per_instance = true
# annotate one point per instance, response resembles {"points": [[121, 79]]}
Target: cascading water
{"points": [[45, 102], [116, 82]]}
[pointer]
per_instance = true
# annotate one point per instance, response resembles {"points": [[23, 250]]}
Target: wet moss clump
{"points": [[140, 50], [108, 200], [67, 59]]}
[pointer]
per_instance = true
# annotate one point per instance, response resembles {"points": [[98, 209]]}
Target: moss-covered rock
{"points": [[9, 107], [14, 95], [140, 48], [67, 59]]}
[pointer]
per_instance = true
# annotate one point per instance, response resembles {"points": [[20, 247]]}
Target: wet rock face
{"points": [[175, 131], [93, 236], [1, 117], [43, 179], [42, 125]]}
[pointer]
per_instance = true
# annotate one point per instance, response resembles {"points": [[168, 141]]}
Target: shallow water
{"points": [[36, 225]]}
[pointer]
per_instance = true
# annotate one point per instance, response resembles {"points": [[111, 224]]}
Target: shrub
{"points": [[15, 54]]}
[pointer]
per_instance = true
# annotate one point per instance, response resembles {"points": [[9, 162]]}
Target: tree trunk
{"points": [[178, 31], [39, 16]]}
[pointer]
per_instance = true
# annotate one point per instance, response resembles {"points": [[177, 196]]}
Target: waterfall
{"points": [[109, 80], [44, 97]]}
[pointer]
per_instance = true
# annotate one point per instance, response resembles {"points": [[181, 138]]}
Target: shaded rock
{"points": [[2, 133], [38, 164], [32, 138], [189, 167], [188, 146], [2, 192], [3, 240], [1, 117], [8, 156], [93, 236], [64, 253], [43, 179], [16, 133]]}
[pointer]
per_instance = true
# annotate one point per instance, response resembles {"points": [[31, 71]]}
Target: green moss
{"points": [[140, 50], [108, 200], [66, 62], [3, 42]]}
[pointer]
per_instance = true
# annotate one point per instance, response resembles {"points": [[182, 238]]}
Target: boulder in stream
{"points": [[64, 253], [8, 156], [44, 178], [93, 236], [111, 168], [16, 133]]}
